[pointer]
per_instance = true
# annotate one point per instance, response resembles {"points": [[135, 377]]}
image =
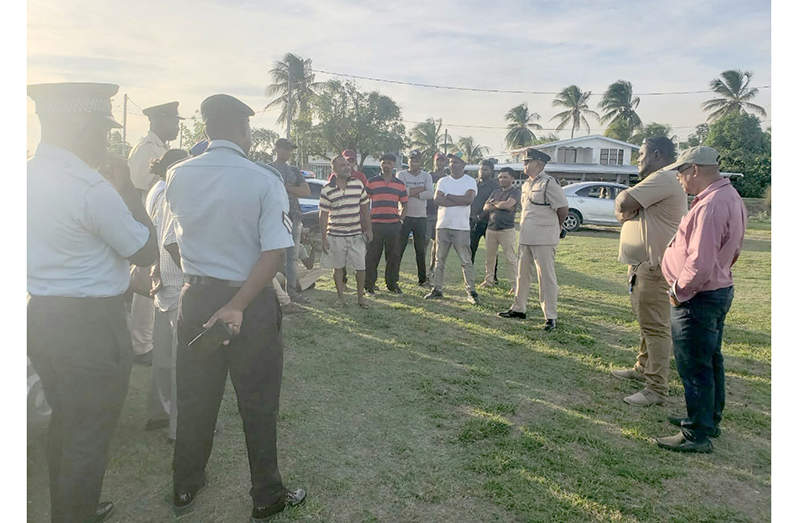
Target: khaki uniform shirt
{"points": [[540, 198], [147, 149], [644, 238]]}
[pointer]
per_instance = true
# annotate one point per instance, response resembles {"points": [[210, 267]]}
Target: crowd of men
{"points": [[212, 246]]}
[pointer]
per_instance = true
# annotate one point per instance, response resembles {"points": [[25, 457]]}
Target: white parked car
{"points": [[591, 203], [311, 203]]}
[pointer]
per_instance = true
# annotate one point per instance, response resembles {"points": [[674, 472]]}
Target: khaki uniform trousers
{"points": [[652, 308], [543, 258], [505, 238]]}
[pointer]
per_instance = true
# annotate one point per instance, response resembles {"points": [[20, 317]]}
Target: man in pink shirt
{"points": [[697, 267]]}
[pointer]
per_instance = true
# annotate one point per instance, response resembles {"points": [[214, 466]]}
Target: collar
{"points": [[156, 139], [225, 144], [714, 186], [334, 181], [59, 154]]}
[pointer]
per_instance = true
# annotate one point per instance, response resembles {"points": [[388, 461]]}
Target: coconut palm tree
{"points": [[426, 136], [575, 101], [735, 95], [619, 104], [303, 86], [472, 151], [520, 125]]}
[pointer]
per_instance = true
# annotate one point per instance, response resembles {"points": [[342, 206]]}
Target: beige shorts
{"points": [[345, 251]]}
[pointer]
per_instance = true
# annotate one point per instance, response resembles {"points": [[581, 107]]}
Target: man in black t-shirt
{"points": [[501, 206]]}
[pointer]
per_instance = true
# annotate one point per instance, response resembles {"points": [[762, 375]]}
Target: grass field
{"points": [[418, 411]]}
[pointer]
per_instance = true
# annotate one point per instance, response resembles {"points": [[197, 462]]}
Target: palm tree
{"points": [[575, 100], [426, 137], [472, 151], [303, 86], [735, 95], [650, 131], [619, 106], [520, 126]]}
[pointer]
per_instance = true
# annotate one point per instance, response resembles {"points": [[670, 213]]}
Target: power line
{"points": [[478, 90]]}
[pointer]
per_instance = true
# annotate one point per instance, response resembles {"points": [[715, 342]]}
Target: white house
{"points": [[587, 158]]}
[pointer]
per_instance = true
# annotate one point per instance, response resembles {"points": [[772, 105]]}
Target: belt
{"points": [[207, 280]]}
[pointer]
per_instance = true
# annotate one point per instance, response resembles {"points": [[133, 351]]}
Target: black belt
{"points": [[207, 280]]}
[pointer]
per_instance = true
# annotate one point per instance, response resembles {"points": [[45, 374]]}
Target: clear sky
{"points": [[187, 50]]}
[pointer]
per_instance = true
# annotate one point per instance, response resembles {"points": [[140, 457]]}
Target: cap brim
{"points": [[674, 166], [114, 123]]}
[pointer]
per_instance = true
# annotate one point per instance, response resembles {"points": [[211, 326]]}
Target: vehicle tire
{"points": [[573, 220]]}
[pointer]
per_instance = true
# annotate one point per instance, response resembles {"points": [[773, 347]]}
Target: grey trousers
{"points": [[162, 401], [461, 241]]}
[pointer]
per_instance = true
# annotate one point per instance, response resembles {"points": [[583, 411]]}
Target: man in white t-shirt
{"points": [[453, 196]]}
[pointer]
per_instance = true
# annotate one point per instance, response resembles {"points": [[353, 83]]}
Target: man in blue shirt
{"points": [[84, 231], [232, 227]]}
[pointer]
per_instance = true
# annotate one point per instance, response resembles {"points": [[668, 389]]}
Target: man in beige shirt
{"points": [[650, 212]]}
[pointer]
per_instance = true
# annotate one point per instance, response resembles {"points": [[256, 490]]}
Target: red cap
{"points": [[349, 153], [438, 155]]}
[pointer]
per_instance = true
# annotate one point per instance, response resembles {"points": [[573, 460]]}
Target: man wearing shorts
{"points": [[345, 223]]}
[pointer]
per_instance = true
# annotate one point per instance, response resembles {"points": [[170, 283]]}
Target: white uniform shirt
{"points": [[171, 275], [149, 148], [80, 231], [227, 211], [457, 217]]}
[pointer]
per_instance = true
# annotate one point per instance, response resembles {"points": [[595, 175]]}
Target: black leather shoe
{"points": [[510, 313], [185, 500], [396, 290], [156, 424], [679, 443], [676, 420], [549, 325], [434, 294], [104, 511], [293, 498]]}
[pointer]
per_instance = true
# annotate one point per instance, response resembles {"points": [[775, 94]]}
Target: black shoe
{"points": [[549, 325], [143, 359], [510, 313], [677, 420], [369, 292], [157, 424], [396, 290], [679, 443], [183, 501], [293, 498], [473, 298], [434, 294], [104, 511]]}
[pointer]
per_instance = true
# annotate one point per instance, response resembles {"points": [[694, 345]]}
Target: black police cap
{"points": [[162, 111], [534, 154], [224, 107]]}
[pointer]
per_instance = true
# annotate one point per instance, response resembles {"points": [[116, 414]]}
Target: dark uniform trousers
{"points": [[385, 235], [418, 226], [81, 349], [255, 361], [478, 231]]}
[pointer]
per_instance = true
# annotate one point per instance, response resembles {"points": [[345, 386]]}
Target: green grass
{"points": [[418, 411]]}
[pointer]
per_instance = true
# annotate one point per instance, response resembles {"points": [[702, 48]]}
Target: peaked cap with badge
{"points": [[534, 154], [162, 111], [71, 98]]}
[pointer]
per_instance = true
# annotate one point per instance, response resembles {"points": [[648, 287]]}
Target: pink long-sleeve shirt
{"points": [[707, 243]]}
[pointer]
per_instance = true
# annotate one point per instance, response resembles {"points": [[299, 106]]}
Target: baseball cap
{"points": [[415, 153], [388, 157], [699, 155], [438, 155], [459, 155], [349, 153]]}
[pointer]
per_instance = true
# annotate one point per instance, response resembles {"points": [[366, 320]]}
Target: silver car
{"points": [[591, 203]]}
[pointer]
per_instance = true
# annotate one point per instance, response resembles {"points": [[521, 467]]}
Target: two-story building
{"points": [[586, 158]]}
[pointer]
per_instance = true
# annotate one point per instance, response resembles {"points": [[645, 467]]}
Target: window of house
{"points": [[605, 155], [620, 156], [611, 157]]}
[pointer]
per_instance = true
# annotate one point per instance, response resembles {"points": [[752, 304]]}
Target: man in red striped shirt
{"points": [[388, 195]]}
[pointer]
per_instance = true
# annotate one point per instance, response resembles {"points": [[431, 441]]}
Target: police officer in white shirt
{"points": [[232, 227], [164, 127], [84, 231]]}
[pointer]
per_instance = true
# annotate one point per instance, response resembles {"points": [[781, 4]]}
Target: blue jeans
{"points": [[697, 329]]}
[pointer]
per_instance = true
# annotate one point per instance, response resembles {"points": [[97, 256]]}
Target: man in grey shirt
{"points": [[419, 190]]}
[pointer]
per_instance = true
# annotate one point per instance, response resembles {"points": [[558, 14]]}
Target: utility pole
{"points": [[288, 107], [124, 122]]}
